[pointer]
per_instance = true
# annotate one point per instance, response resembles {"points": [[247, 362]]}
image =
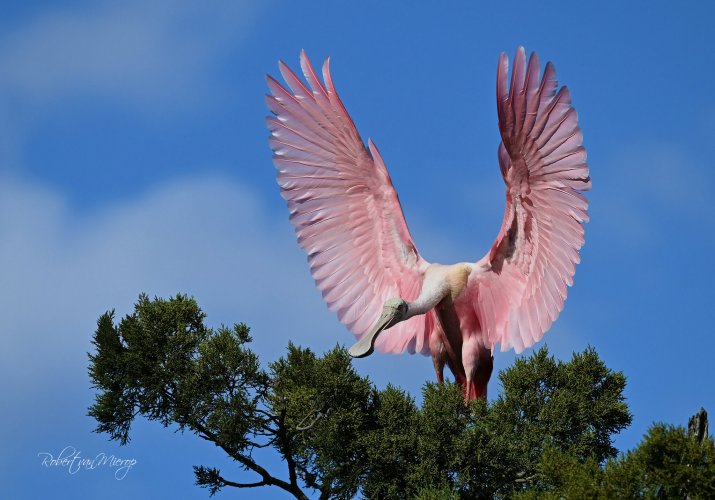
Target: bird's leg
{"points": [[477, 386], [478, 364], [440, 358], [436, 347], [438, 361], [484, 372], [469, 392], [449, 337]]}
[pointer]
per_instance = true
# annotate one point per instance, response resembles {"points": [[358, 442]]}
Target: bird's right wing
{"points": [[345, 211], [544, 166]]}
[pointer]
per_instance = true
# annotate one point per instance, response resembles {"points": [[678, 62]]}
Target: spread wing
{"points": [[544, 166], [345, 211]]}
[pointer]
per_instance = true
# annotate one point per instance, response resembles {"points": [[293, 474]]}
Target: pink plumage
{"points": [[349, 221]]}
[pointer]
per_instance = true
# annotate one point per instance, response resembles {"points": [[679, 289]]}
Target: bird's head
{"points": [[397, 307], [393, 311]]}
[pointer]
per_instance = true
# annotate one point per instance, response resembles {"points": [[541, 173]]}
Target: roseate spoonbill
{"points": [[348, 219]]}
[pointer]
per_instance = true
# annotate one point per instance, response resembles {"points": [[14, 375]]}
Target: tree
{"points": [[339, 436], [666, 464]]}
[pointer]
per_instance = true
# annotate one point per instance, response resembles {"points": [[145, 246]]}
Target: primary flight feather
{"points": [[348, 219]]}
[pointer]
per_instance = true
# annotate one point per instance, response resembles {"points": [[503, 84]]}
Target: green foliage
{"points": [[574, 407], [666, 464], [492, 450], [548, 434], [162, 362], [329, 408], [562, 475], [390, 445]]}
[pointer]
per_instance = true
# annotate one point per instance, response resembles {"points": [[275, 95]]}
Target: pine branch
{"points": [[249, 463], [210, 477]]}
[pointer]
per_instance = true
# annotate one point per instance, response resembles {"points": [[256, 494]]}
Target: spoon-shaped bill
{"points": [[366, 345]]}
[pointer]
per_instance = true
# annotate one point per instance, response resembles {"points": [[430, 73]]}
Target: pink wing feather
{"points": [[544, 166], [345, 211]]}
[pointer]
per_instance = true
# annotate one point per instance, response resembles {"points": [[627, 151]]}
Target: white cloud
{"points": [[155, 54], [208, 237]]}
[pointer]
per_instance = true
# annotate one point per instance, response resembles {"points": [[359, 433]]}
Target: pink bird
{"points": [[348, 219]]}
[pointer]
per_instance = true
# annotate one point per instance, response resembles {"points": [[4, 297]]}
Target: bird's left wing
{"points": [[520, 287], [345, 211]]}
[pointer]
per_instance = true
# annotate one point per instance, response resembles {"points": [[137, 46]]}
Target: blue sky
{"points": [[134, 158]]}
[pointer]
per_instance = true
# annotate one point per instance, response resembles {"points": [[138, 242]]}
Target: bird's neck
{"points": [[428, 299], [439, 282]]}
